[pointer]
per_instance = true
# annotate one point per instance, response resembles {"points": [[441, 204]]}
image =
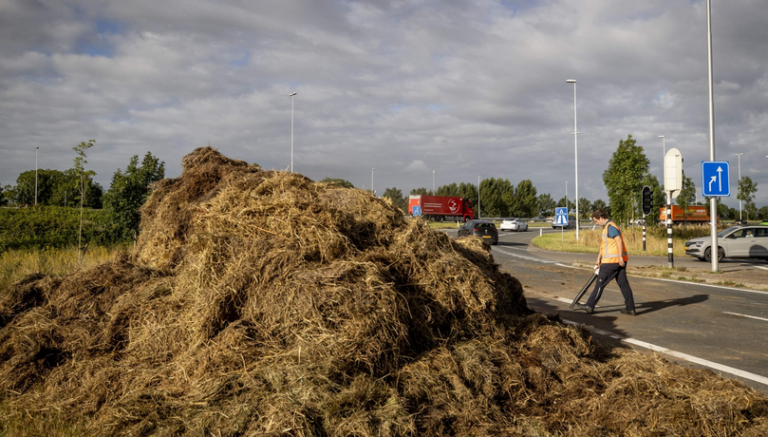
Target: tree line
{"points": [[625, 176], [75, 187]]}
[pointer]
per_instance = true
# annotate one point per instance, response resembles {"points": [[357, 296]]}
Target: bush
{"points": [[54, 226]]}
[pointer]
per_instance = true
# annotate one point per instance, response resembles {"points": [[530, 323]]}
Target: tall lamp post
{"points": [[372, 191], [291, 95], [663, 152], [37, 149], [433, 182], [576, 154], [739, 155]]}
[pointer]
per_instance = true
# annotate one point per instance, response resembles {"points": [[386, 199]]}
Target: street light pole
{"points": [[739, 155], [663, 153], [372, 192], [712, 200], [433, 182], [576, 155], [291, 95], [37, 149]]}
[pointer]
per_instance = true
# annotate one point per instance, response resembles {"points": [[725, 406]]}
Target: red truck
{"points": [[693, 214], [439, 208]]}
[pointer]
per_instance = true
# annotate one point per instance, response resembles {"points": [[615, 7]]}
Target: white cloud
{"points": [[473, 88]]}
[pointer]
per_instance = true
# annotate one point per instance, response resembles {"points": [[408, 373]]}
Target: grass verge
{"points": [[16, 264], [589, 242]]}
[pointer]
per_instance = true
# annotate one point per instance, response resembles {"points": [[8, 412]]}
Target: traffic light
{"points": [[647, 200]]}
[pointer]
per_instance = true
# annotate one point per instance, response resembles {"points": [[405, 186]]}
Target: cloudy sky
{"points": [[462, 88]]}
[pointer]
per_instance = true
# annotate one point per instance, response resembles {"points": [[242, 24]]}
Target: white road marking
{"points": [[690, 358], [745, 315], [759, 267]]}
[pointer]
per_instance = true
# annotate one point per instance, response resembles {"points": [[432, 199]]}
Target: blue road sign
{"points": [[715, 179], [416, 211], [561, 216]]}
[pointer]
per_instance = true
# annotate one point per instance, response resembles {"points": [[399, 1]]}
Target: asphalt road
{"points": [[705, 326]]}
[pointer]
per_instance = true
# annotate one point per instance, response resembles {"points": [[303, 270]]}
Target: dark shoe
{"points": [[588, 309], [628, 312]]}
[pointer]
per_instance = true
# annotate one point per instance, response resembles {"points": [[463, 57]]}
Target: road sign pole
{"points": [[643, 235], [712, 202], [670, 255]]}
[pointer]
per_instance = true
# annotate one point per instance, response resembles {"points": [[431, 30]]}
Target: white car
{"points": [[513, 224]]}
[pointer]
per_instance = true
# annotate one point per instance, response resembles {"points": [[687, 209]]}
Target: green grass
{"points": [[590, 243]]}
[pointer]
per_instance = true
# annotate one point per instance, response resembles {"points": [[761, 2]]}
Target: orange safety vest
{"points": [[610, 249]]}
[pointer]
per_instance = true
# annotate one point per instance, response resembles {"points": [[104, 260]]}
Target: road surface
{"points": [[706, 326]]}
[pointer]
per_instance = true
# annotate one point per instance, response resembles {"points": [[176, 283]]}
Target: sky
{"points": [[390, 91]]}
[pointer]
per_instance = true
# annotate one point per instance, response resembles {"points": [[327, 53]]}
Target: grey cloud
{"points": [[466, 89]]}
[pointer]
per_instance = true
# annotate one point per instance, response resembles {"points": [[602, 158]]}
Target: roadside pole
{"points": [[643, 235], [673, 183], [670, 255], [712, 202]]}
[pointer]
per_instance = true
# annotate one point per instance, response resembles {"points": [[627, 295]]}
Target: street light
{"points": [[576, 154], [739, 155], [372, 192], [37, 149], [664, 152], [433, 182], [291, 96]]}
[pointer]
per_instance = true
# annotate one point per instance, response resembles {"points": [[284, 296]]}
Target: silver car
{"points": [[513, 224], [734, 242]]}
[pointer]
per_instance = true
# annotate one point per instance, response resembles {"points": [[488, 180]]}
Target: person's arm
{"points": [[599, 256], [620, 246]]}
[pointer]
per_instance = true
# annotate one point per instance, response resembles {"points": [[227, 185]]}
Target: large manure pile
{"points": [[263, 303]]}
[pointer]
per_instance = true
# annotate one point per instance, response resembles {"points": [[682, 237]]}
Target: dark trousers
{"points": [[609, 271]]}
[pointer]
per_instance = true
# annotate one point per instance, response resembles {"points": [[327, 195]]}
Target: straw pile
{"points": [[262, 303]]}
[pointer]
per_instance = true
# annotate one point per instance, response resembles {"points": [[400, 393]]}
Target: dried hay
{"points": [[262, 303]]}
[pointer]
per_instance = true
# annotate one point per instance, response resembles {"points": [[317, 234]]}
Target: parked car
{"points": [[734, 242], [513, 224], [571, 223], [480, 228], [741, 222]]}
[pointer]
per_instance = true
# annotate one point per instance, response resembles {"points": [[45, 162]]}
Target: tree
{"points": [[129, 190], [526, 203], [763, 213], [9, 195], [750, 209], [601, 205], [82, 174], [571, 204], [495, 196], [585, 208], [546, 204], [747, 190], [468, 191], [687, 195], [450, 190], [343, 183], [397, 198], [420, 191], [623, 177]]}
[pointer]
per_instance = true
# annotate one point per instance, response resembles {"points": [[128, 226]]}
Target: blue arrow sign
{"points": [[715, 179], [561, 216]]}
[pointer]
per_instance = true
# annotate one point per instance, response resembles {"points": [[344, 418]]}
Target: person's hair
{"points": [[599, 214]]}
